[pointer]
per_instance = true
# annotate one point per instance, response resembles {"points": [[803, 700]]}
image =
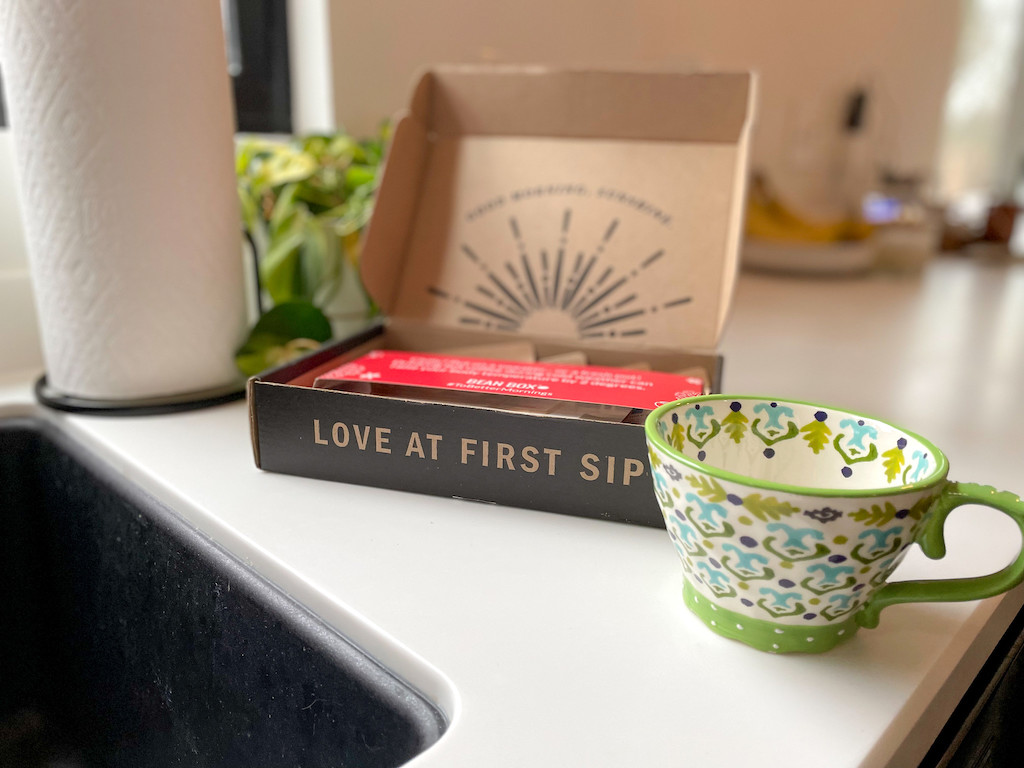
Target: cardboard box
{"points": [[581, 210]]}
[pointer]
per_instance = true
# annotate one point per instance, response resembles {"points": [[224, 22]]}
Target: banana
{"points": [[769, 218]]}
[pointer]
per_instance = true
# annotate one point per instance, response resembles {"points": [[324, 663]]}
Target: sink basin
{"points": [[127, 638]]}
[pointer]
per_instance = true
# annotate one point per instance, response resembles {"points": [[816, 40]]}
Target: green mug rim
{"points": [[936, 476]]}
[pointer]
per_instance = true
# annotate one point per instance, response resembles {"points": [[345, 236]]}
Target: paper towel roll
{"points": [[123, 129]]}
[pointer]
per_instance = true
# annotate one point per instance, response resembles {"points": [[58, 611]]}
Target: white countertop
{"points": [[556, 641]]}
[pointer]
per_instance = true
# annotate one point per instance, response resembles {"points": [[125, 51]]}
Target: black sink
{"points": [[127, 638]]}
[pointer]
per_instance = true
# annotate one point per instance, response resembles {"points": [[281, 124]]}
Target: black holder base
{"points": [[150, 406]]}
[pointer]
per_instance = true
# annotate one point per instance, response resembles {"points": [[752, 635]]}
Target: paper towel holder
{"points": [[148, 406]]}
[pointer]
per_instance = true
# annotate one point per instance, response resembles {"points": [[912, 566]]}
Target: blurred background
{"points": [[887, 130]]}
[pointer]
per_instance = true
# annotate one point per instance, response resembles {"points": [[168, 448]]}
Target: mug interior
{"points": [[793, 444]]}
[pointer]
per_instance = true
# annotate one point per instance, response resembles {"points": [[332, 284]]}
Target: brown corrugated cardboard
{"points": [[594, 206]]}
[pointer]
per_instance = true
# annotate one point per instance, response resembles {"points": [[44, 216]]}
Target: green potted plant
{"points": [[305, 203]]}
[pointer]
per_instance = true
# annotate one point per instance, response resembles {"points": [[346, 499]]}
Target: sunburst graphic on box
{"points": [[559, 290]]}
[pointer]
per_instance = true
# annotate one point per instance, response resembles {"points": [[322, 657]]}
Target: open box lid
{"points": [[593, 206]]}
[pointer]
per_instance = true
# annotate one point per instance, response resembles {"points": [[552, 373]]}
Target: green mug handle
{"points": [[933, 543]]}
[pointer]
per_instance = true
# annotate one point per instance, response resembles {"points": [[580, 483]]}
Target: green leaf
{"points": [[314, 259], [295, 319], [655, 458], [677, 437], [768, 508], [332, 276], [816, 434], [341, 146], [735, 425], [319, 200], [249, 151], [354, 214], [279, 269], [359, 175], [707, 487], [315, 144], [893, 463], [876, 515], [287, 165], [285, 208], [285, 332]]}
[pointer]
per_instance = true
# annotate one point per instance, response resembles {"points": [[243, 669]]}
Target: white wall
{"points": [[1010, 153], [810, 55]]}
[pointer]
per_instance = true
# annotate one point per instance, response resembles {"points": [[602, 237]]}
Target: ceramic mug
{"points": [[789, 517]]}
